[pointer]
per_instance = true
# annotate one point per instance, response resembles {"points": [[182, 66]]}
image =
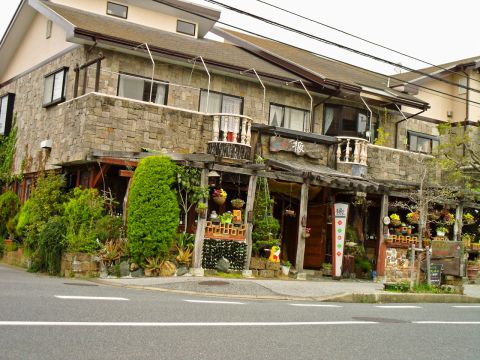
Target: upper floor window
{"points": [[55, 85], [185, 27], [117, 10], [6, 113], [423, 143], [139, 88], [348, 121], [220, 103], [289, 117]]}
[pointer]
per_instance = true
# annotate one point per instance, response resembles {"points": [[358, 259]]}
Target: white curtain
{"points": [[329, 116], [161, 92], [231, 105], [276, 115], [214, 102], [48, 88], [58, 85], [295, 119], [3, 113]]}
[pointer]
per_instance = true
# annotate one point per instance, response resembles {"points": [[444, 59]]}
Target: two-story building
{"points": [[93, 86]]}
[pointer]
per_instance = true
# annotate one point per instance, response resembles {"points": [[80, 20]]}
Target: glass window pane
{"points": [[413, 143], [58, 85], [131, 87], [362, 124], [294, 119], [424, 145], [332, 118], [214, 102], [276, 115], [349, 119], [231, 105], [185, 27], [48, 88], [117, 10], [161, 92], [3, 114]]}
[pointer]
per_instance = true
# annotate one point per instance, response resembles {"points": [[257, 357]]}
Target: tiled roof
{"points": [[125, 30]]}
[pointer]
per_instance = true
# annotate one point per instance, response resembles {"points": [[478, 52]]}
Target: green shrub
{"points": [[45, 202], [153, 212], [51, 246], [9, 207], [2, 249], [109, 227], [81, 213]]}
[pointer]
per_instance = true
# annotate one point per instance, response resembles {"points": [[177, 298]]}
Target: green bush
{"points": [[45, 202], [9, 207], [51, 246], [109, 227], [81, 213], [153, 212], [2, 249]]}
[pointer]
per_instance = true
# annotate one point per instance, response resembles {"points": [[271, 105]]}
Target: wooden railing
{"points": [[232, 128], [352, 150]]}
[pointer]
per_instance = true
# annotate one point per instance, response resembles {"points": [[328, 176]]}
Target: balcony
{"points": [[352, 155], [231, 136]]}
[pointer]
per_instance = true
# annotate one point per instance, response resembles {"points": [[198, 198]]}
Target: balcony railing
{"points": [[352, 150], [231, 134]]}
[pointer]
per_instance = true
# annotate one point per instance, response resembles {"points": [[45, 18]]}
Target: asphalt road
{"points": [[56, 318]]}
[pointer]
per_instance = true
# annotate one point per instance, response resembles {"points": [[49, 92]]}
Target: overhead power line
{"points": [[365, 40], [341, 46], [381, 76]]}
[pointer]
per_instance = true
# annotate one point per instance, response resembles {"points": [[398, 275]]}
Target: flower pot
{"points": [[472, 272], [285, 270], [289, 212], [440, 233], [219, 200], [237, 203], [201, 212]]}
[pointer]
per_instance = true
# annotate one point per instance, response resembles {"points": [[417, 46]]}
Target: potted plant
{"points": [[468, 219], [467, 240], [201, 209], [286, 267], [226, 218], [395, 220], [442, 231], [327, 269], [413, 217], [448, 218], [219, 196], [237, 203]]}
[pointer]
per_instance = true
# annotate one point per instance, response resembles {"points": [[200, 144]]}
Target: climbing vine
{"points": [[7, 153]]}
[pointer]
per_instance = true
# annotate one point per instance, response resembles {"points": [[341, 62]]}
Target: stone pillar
{"points": [[252, 187], [302, 223], [381, 239], [201, 223]]}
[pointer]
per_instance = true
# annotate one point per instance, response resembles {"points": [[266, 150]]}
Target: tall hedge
{"points": [[153, 212]]}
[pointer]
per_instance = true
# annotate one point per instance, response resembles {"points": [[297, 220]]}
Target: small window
{"points": [[288, 117], [422, 143], [117, 10], [6, 113], [185, 27], [139, 88], [54, 90], [349, 121]]}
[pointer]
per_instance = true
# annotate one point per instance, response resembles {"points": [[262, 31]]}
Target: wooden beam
{"points": [[252, 187], [126, 173], [201, 222], [381, 250], [301, 226], [120, 162], [103, 169]]}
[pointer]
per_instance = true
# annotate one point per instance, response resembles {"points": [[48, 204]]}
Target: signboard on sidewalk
{"points": [[449, 254], [340, 216], [436, 274]]}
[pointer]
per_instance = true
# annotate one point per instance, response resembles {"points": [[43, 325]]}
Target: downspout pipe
{"points": [[153, 67], [310, 96], [194, 60], [404, 119], [263, 86]]}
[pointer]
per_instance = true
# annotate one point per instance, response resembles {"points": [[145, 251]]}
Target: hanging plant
{"points": [[395, 220], [413, 217], [237, 203], [468, 219], [219, 196], [448, 218]]}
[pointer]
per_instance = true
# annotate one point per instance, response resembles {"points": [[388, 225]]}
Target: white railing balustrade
{"points": [[232, 128], [352, 150]]}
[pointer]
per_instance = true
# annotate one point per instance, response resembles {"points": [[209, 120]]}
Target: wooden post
{"points": [[302, 223], [252, 187], [429, 275], [200, 233], [381, 238], [457, 227]]}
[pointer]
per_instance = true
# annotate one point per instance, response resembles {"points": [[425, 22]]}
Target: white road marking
{"points": [[215, 302], [317, 305], [398, 306], [466, 306], [180, 324], [68, 297], [448, 322]]}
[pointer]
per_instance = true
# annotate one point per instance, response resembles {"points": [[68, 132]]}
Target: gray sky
{"points": [[433, 30]]}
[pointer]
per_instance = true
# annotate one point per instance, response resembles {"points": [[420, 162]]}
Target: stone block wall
{"points": [[80, 265]]}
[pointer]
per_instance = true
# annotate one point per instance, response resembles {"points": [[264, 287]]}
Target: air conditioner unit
{"points": [[46, 144]]}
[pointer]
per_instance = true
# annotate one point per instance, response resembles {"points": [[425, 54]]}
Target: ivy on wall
{"points": [[7, 153]]}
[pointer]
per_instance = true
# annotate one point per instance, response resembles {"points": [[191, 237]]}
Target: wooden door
{"points": [[315, 245]]}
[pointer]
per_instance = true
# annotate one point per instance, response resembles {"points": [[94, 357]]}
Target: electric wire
{"points": [[333, 43], [365, 40]]}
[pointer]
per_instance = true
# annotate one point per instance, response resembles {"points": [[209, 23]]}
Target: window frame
{"points": [[341, 132], [7, 127], [187, 33], [290, 107], [115, 15], [163, 82], [62, 98], [431, 138], [223, 94]]}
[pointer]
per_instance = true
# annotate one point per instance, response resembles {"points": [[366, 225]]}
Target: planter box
{"points": [[257, 263]]}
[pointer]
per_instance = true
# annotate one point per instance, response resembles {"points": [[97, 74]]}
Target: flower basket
{"points": [[413, 217], [395, 220], [468, 219], [290, 212], [219, 200], [237, 203]]}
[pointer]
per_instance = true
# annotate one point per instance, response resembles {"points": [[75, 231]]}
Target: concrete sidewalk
{"points": [[318, 290]]}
